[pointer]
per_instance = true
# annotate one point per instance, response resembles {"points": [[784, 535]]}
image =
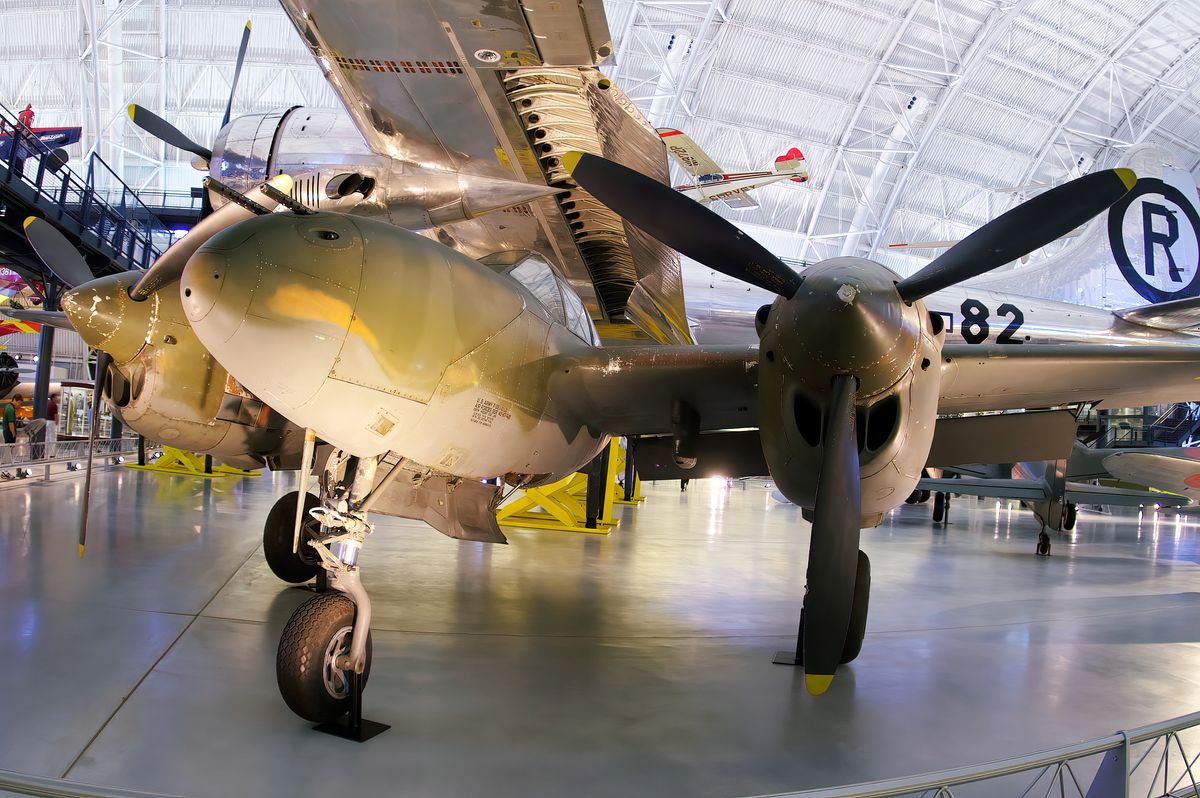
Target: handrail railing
{"points": [[1111, 780], [121, 223]]}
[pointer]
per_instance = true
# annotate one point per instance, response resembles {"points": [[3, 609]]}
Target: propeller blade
{"points": [[681, 223], [163, 130], [237, 72], [102, 363], [169, 265], [833, 552], [55, 318], [60, 255], [1031, 225]]}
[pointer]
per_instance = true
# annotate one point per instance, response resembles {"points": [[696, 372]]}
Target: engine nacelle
{"points": [[846, 318], [165, 385], [334, 169]]}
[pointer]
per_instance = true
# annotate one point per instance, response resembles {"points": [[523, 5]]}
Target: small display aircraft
{"points": [[712, 183], [1052, 490]]}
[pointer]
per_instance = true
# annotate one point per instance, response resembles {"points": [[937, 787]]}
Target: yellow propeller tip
{"points": [[131, 109], [816, 684], [248, 24], [81, 551], [28, 221], [282, 182], [570, 160], [1128, 177]]}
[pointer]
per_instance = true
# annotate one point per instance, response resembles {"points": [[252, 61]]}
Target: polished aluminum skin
{"points": [[458, 125]]}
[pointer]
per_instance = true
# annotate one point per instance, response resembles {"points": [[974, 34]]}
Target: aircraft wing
{"points": [[1004, 377], [687, 153], [1174, 470], [502, 89], [740, 201], [1177, 314], [1082, 493], [1024, 489], [635, 390]]}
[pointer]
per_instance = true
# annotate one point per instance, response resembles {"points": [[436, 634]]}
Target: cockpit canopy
{"points": [[550, 289]]}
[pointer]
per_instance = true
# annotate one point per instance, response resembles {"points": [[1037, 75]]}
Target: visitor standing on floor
{"points": [[8, 418], [26, 116]]}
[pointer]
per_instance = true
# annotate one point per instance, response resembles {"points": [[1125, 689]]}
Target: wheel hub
{"points": [[336, 682]]}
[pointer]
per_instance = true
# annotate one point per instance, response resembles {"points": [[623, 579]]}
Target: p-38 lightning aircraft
{"points": [[422, 365], [427, 369]]}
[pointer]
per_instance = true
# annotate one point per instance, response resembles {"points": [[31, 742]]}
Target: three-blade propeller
{"points": [[697, 232], [64, 260], [164, 131], [60, 255]]}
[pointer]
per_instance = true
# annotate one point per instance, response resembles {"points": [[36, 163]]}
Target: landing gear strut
{"points": [[941, 508], [324, 653]]}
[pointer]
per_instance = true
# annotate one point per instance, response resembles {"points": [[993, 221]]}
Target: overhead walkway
{"points": [[113, 228]]}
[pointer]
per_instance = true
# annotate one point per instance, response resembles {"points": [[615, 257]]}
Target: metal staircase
{"points": [[112, 227]]}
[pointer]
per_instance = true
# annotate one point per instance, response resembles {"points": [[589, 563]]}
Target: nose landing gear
{"points": [[324, 654]]}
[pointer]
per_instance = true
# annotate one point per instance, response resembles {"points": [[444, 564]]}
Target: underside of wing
{"points": [[639, 390], [1177, 473], [740, 201], [1024, 489], [1082, 493], [504, 91]]}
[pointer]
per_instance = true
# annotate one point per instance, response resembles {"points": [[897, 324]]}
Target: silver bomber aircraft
{"points": [[455, 127]]}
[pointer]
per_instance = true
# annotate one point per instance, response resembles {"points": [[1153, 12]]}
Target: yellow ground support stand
{"points": [[620, 453], [177, 461], [562, 505]]}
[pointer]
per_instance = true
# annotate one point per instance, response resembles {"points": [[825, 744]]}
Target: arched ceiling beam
{"points": [[996, 23]]}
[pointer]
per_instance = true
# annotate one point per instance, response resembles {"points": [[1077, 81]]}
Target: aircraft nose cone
{"points": [[201, 283]]}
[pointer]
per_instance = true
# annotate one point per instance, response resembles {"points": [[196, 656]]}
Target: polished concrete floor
{"points": [[579, 665]]}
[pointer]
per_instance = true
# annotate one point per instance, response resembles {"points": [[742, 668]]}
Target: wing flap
{"points": [[1006, 438]]}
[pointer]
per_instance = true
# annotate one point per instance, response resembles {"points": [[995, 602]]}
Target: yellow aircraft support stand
{"points": [[562, 506], [177, 461], [621, 455]]}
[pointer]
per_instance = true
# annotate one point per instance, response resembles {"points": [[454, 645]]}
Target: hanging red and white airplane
{"points": [[713, 183]]}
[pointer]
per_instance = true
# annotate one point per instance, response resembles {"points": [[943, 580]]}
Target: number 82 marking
{"points": [[975, 328]]}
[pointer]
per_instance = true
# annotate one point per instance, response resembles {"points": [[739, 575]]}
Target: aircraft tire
{"points": [[318, 632], [1043, 546], [295, 568], [858, 611], [1069, 516], [939, 507]]}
